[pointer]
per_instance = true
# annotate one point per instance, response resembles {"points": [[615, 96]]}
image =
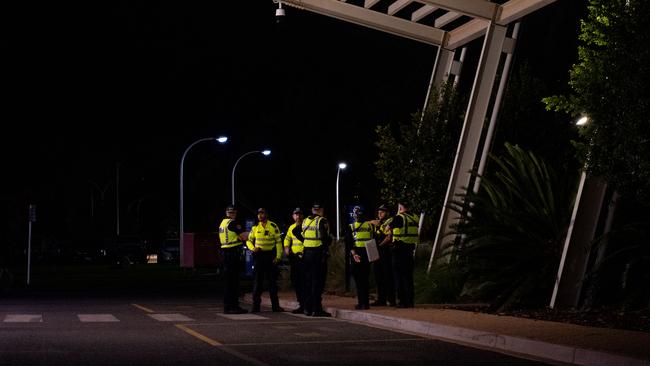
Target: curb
{"points": [[485, 340]]}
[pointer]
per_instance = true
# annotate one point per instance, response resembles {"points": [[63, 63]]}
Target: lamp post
{"points": [[338, 211], [232, 177], [181, 231]]}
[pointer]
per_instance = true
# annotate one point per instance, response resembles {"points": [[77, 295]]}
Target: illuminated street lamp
{"points": [[582, 121], [181, 231], [232, 177], [338, 211]]}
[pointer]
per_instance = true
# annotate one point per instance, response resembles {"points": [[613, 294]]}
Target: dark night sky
{"points": [[88, 85]]}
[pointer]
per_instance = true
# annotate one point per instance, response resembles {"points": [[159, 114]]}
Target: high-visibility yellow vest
{"points": [[266, 237], [227, 237], [409, 232], [361, 232], [382, 228], [310, 232], [290, 240]]}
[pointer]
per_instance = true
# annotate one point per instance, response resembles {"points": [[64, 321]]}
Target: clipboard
{"points": [[371, 250]]}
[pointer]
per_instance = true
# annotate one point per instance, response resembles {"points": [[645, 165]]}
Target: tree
{"points": [[610, 85], [415, 158]]}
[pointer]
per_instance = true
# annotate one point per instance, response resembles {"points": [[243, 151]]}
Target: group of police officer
{"points": [[306, 244]]}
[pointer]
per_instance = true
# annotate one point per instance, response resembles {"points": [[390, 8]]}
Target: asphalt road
{"points": [[172, 331]]}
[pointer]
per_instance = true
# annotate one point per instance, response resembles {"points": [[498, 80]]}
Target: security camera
{"points": [[279, 13]]}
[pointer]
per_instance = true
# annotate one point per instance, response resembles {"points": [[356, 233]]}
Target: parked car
{"points": [[128, 250], [169, 251]]}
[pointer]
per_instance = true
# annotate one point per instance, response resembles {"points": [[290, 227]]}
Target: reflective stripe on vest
{"points": [[292, 241], [410, 234], [310, 232], [361, 232], [264, 237], [227, 237]]}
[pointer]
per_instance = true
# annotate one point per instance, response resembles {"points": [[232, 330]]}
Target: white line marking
{"points": [[171, 317], [23, 318], [242, 316], [97, 318]]}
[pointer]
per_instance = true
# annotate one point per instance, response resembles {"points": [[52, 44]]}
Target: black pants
{"points": [[297, 277], [232, 264], [314, 269], [403, 271], [264, 268], [361, 272], [383, 269]]}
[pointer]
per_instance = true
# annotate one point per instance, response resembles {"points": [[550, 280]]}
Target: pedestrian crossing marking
{"points": [[171, 317], [97, 318], [23, 318], [310, 334], [242, 316]]}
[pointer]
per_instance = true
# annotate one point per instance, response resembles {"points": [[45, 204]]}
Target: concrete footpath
{"points": [[544, 340]]}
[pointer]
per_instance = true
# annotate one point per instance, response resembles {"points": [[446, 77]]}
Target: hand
{"points": [[276, 260], [257, 249], [356, 257]]}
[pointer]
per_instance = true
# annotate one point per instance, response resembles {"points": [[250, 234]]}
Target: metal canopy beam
{"points": [[473, 8], [372, 19], [517, 9], [466, 33], [482, 13]]}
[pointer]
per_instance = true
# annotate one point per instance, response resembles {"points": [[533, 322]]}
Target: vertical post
{"points": [[338, 211], [181, 228], [117, 197], [338, 219], [32, 218]]}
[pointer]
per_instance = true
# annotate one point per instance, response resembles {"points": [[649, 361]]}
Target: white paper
{"points": [[371, 250]]}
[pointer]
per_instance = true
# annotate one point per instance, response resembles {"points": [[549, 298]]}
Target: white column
{"points": [[472, 128]]}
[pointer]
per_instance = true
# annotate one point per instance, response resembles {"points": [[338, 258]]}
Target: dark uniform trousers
{"points": [[232, 264], [403, 271], [265, 269], [383, 269], [361, 272], [297, 277], [314, 269]]}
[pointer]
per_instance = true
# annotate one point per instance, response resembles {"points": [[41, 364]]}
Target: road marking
{"points": [[23, 318], [147, 310], [198, 335], [97, 318], [223, 348], [171, 317], [242, 316]]}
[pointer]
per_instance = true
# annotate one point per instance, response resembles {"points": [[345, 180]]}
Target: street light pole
{"points": [[181, 231], [338, 211], [232, 176]]}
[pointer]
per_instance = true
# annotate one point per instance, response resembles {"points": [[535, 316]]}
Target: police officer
{"points": [[315, 235], [293, 248], [231, 236], [403, 232], [383, 267], [264, 241], [356, 236]]}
